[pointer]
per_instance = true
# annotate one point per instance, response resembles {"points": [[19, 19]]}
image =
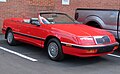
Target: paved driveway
{"points": [[20, 62]]}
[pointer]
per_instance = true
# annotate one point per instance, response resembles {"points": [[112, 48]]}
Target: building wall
{"points": [[29, 8], [100, 4], [23, 8]]}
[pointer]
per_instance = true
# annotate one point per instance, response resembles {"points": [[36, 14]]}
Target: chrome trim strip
{"points": [[30, 36], [89, 47]]}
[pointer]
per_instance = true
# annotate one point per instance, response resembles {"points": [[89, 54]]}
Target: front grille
{"points": [[102, 40], [105, 49]]}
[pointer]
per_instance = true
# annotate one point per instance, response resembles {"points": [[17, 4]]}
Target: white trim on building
{"points": [[2, 0]]}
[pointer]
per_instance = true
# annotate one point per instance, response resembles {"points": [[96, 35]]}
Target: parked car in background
{"points": [[59, 34], [106, 19]]}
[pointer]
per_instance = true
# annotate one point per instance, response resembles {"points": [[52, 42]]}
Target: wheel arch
{"points": [[93, 19], [7, 32], [48, 38]]}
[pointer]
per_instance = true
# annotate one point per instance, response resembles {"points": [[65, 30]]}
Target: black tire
{"points": [[54, 49], [10, 38]]}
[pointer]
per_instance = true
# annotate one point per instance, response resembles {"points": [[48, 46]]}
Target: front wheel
{"points": [[10, 38], [55, 50]]}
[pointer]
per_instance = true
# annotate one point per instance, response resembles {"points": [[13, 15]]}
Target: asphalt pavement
{"points": [[18, 61]]}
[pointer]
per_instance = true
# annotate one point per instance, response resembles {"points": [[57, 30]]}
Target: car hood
{"points": [[79, 30]]}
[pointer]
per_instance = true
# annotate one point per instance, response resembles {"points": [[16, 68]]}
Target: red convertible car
{"points": [[59, 34]]}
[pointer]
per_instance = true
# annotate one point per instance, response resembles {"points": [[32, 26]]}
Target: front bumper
{"points": [[90, 47], [87, 51]]}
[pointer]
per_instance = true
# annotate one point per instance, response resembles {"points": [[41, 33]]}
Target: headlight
{"points": [[87, 41]]}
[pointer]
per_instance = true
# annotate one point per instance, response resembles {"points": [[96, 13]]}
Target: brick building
{"points": [[29, 8]]}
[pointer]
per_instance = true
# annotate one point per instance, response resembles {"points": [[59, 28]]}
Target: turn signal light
{"points": [[92, 51], [116, 47], [68, 45]]}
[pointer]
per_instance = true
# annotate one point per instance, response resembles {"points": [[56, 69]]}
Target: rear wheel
{"points": [[10, 38], [54, 50]]}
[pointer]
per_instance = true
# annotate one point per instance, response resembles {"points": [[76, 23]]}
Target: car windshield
{"points": [[58, 18]]}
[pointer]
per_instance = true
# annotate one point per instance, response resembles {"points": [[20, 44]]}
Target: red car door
{"points": [[24, 32], [36, 34]]}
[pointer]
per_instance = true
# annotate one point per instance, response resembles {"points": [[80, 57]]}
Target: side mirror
{"points": [[35, 21], [78, 22]]}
